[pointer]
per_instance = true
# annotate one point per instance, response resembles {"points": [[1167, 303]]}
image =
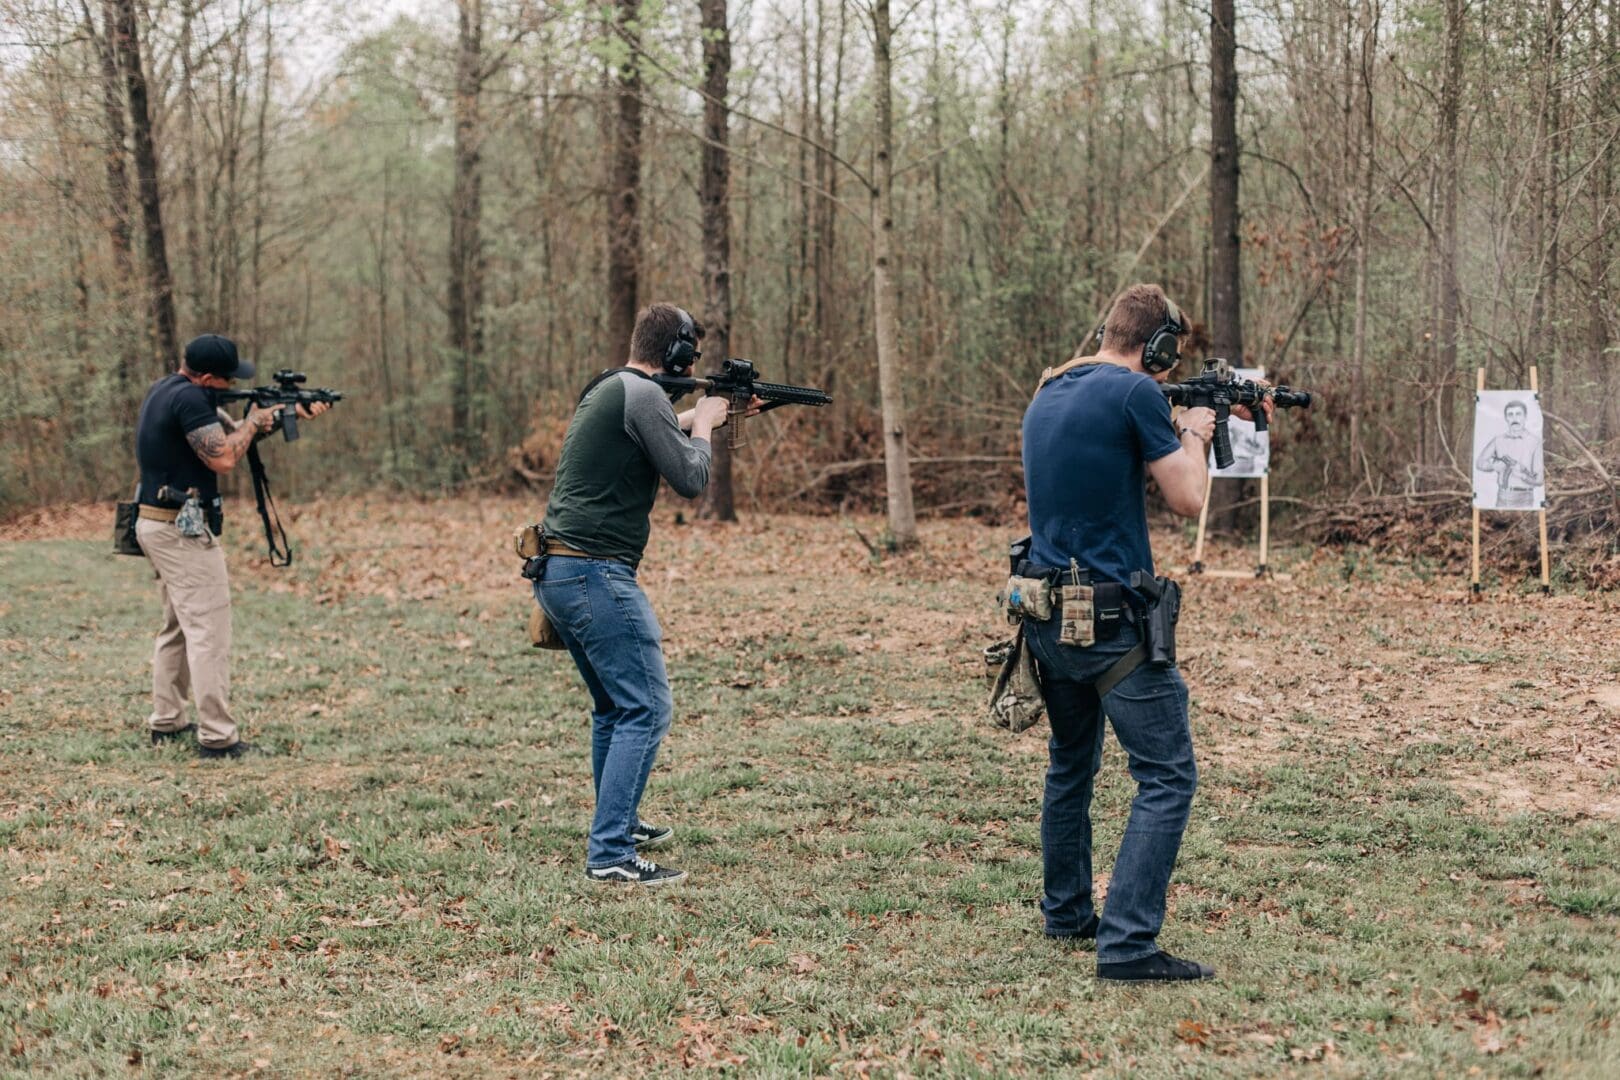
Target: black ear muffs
{"points": [[682, 352], [1161, 352]]}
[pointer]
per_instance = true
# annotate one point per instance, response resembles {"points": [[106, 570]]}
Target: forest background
{"points": [[451, 211]]}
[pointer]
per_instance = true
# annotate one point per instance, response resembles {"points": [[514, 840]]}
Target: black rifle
{"points": [[1218, 388], [736, 381], [285, 396]]}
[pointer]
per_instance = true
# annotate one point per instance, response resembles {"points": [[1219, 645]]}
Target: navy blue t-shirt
{"points": [[1088, 437], [174, 407]]}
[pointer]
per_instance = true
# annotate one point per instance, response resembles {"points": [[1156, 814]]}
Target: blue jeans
{"points": [[1148, 709], [604, 619]]}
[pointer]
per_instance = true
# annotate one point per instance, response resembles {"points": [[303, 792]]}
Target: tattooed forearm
{"points": [[218, 450]]}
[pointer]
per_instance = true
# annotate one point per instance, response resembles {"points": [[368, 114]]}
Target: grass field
{"points": [[1402, 859]]}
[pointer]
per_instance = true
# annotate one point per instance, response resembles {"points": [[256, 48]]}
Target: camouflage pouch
{"points": [[1027, 598], [1079, 612], [1015, 698]]}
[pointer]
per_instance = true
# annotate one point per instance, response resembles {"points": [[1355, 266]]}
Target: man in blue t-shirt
{"points": [[1098, 427]]}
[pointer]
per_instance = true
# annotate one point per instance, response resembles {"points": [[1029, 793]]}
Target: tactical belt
{"points": [[554, 548], [1116, 596], [159, 513]]}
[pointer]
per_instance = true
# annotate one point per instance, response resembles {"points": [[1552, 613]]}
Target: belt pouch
{"points": [[529, 541], [1078, 609], [1027, 598], [1110, 603], [124, 542]]}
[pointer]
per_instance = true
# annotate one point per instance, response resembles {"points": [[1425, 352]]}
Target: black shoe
{"points": [[650, 836], [1087, 932], [240, 748], [1160, 967], [636, 871], [161, 737]]}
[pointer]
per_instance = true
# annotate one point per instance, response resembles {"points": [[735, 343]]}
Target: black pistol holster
{"points": [[1157, 626], [1159, 621]]}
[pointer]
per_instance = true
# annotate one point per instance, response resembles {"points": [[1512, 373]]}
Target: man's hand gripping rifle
{"points": [[737, 381], [285, 396], [1218, 388]]}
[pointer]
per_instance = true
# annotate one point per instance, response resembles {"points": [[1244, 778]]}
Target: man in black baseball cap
{"points": [[183, 442], [215, 354]]}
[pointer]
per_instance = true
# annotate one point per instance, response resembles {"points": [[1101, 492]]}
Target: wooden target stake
{"points": [[1265, 522], [1479, 385], [1541, 514], [1203, 523]]}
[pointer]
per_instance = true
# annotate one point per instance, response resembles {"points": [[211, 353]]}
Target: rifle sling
{"points": [[1120, 669], [280, 555]]}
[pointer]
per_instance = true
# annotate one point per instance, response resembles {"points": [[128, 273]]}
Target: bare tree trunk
{"points": [[160, 286], [1450, 293], [1226, 253], [624, 196], [118, 219], [259, 200], [896, 455], [1364, 198], [1226, 298], [1601, 305], [466, 292], [719, 501]]}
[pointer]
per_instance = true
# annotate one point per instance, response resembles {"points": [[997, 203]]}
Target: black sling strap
{"points": [[280, 555], [603, 377]]}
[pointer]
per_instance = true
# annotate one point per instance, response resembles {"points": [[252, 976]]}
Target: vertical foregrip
{"points": [[1223, 437]]}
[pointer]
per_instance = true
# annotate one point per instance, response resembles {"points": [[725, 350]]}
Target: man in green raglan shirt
{"points": [[624, 438]]}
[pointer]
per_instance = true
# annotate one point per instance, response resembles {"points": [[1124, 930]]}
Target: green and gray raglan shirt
{"points": [[624, 436]]}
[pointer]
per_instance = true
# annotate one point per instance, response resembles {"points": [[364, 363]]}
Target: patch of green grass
{"points": [[400, 889]]}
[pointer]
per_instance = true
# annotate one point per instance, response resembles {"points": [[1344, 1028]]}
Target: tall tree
{"points": [[466, 294], [118, 216], [891, 388], [1450, 292], [624, 189], [714, 193], [1226, 296], [160, 285]]}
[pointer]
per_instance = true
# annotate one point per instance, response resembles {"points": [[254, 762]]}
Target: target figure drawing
{"points": [[1509, 470]]}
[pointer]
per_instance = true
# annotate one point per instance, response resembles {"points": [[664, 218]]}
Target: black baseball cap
{"points": [[215, 354]]}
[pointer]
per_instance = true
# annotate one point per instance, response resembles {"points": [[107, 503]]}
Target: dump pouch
{"points": [[1016, 702]]}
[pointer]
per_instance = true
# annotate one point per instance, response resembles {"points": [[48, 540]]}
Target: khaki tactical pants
{"points": [[193, 653]]}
